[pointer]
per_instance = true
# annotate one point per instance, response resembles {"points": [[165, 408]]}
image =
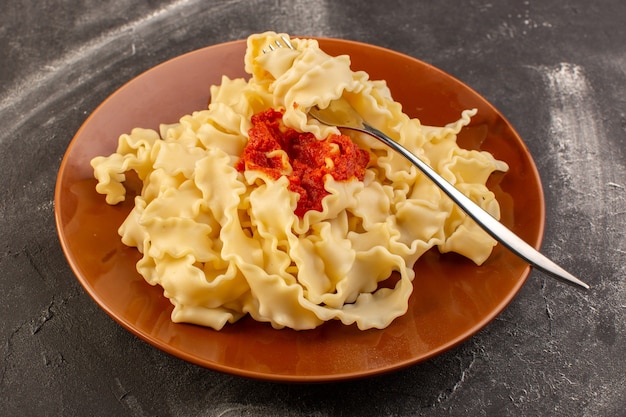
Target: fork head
{"points": [[279, 44]]}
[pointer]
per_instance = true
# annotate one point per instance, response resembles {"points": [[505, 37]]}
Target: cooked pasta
{"points": [[223, 239]]}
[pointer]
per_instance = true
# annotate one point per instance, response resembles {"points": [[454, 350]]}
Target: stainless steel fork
{"points": [[278, 44], [342, 115]]}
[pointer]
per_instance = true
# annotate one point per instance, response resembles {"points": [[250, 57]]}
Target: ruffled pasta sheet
{"points": [[223, 244]]}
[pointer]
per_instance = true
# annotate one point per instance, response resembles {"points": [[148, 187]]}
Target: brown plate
{"points": [[452, 299]]}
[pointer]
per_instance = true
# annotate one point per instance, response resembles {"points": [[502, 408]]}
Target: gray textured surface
{"points": [[557, 70]]}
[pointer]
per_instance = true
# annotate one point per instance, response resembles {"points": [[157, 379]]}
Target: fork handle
{"points": [[492, 226]]}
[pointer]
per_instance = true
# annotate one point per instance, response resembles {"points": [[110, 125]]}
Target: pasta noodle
{"points": [[224, 242]]}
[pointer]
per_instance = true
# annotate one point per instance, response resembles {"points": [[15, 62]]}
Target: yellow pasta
{"points": [[223, 243]]}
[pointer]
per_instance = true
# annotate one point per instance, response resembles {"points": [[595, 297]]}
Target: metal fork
{"points": [[271, 47], [342, 115]]}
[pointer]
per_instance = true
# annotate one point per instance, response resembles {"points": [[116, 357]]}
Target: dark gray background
{"points": [[556, 70]]}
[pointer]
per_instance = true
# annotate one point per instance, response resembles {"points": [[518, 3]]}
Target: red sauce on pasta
{"points": [[310, 159]]}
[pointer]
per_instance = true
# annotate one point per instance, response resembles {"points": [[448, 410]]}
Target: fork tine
{"points": [[287, 42], [278, 44]]}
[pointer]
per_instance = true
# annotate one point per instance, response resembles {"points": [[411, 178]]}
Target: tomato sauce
{"points": [[310, 159]]}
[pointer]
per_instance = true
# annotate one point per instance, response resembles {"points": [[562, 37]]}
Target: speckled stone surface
{"points": [[556, 70]]}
